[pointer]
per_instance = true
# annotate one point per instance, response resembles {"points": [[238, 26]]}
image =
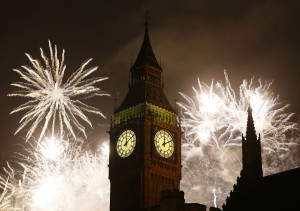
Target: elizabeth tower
{"points": [[145, 139]]}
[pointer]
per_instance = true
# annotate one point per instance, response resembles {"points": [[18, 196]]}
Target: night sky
{"points": [[191, 39]]}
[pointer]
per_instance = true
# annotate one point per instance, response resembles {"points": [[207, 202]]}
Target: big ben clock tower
{"points": [[145, 139]]}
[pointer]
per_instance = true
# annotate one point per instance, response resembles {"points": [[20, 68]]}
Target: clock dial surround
{"points": [[126, 143], [164, 143]]}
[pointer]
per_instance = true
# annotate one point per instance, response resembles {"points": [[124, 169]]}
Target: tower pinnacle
{"points": [[251, 148], [146, 82], [146, 55], [146, 20], [250, 133]]}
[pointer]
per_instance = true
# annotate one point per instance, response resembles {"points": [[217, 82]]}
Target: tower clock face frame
{"points": [[126, 143], [164, 143]]}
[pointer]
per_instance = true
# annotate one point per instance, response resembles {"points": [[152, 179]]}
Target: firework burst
{"points": [[213, 121], [51, 100], [58, 175]]}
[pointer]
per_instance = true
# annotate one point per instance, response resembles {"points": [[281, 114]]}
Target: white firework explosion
{"points": [[51, 100], [213, 121], [58, 175]]}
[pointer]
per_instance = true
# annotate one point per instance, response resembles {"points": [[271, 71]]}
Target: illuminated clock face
{"points": [[164, 143], [126, 143]]}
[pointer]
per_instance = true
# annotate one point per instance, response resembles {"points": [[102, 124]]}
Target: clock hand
{"points": [[164, 141], [168, 141], [127, 141]]}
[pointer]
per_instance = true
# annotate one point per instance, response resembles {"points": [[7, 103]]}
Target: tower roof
{"points": [[146, 55], [146, 84]]}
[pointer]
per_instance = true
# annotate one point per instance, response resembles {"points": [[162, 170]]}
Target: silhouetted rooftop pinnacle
{"points": [[250, 125], [146, 55]]}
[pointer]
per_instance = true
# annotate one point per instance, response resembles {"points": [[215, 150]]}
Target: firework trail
{"points": [[213, 122], [58, 175], [53, 102]]}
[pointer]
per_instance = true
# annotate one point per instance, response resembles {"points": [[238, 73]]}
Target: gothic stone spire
{"points": [[251, 148]]}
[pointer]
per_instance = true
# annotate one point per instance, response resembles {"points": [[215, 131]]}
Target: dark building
{"points": [[145, 139], [255, 192], [145, 154]]}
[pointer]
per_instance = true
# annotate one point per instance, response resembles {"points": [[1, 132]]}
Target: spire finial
{"points": [[249, 109], [250, 124], [146, 20]]}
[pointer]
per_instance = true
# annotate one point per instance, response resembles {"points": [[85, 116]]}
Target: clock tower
{"points": [[145, 139]]}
